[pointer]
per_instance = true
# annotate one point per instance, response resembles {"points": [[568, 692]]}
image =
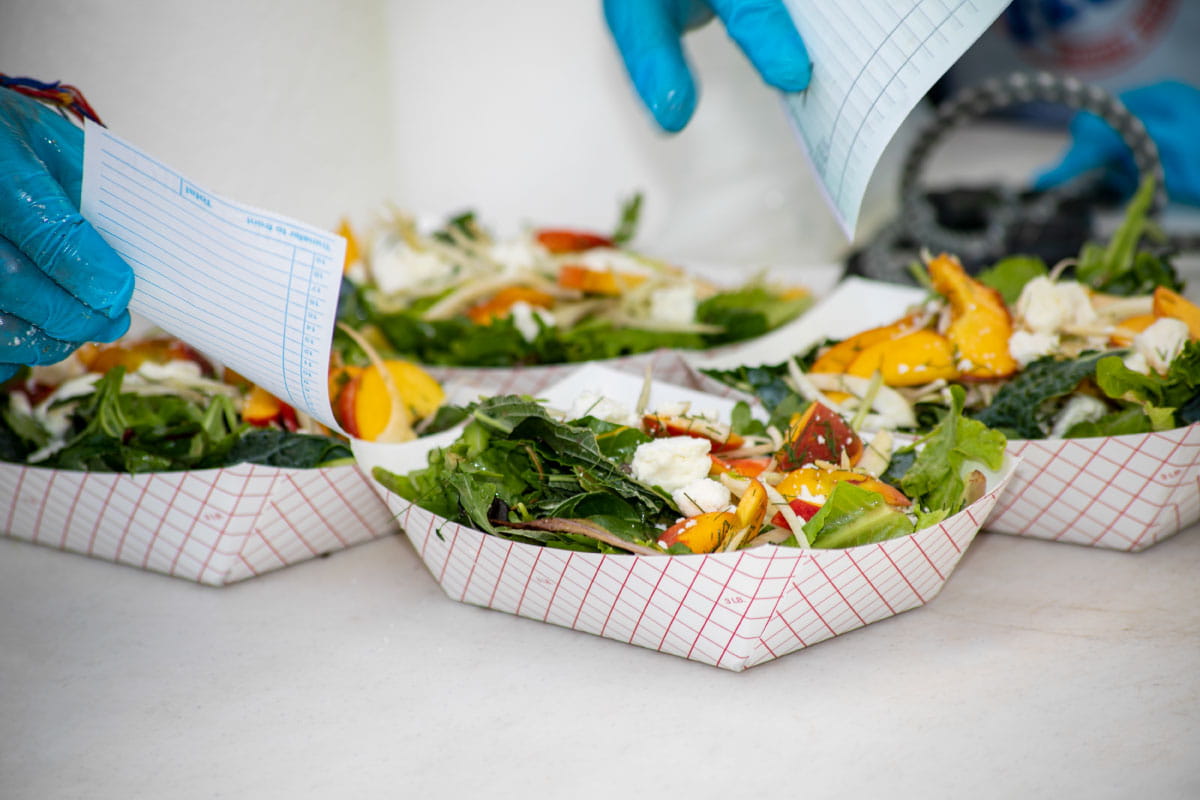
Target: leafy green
{"points": [[768, 384], [515, 463], [750, 311], [1121, 266], [1157, 397], [627, 225], [1128, 420], [115, 431], [854, 516], [1009, 275], [1015, 408], [935, 480]]}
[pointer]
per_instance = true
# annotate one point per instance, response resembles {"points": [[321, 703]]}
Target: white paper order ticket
{"points": [[252, 289]]}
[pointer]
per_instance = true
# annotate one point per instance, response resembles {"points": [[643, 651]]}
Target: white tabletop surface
{"points": [[1040, 670]]}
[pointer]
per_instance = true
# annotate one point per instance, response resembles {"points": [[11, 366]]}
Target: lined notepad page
{"points": [[873, 60], [255, 290]]}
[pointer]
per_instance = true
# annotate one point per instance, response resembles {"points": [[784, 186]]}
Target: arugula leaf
{"points": [[1157, 397], [935, 481], [748, 312], [1120, 267], [20, 434], [1015, 407], [853, 516], [1009, 275], [626, 229], [1128, 420], [514, 457], [115, 431]]}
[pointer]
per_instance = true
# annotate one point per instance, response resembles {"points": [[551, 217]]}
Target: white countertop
{"points": [[1042, 669]]}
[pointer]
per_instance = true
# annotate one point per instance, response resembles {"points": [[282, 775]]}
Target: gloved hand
{"points": [[1171, 113], [60, 283], [648, 34]]}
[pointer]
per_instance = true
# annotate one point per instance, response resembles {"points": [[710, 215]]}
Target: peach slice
{"points": [[597, 281], [839, 357], [819, 434], [559, 241], [703, 533], [722, 436], [739, 467], [1172, 304], [913, 359], [500, 305], [980, 324], [372, 403], [1122, 335], [820, 482]]}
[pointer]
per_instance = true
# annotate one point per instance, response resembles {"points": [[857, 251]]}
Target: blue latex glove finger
{"points": [[22, 343], [648, 34], [30, 295], [766, 34], [7, 371], [41, 172], [1171, 113]]}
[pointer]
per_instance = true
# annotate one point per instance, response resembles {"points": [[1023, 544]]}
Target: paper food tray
{"points": [[732, 610], [1119, 492], [212, 526]]}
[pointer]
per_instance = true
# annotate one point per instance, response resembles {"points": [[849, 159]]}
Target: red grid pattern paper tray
{"points": [[733, 610], [213, 526], [1121, 492]]}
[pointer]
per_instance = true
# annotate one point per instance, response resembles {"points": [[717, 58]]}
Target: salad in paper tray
{"points": [[677, 478], [459, 296], [138, 453], [1112, 352], [675, 520]]}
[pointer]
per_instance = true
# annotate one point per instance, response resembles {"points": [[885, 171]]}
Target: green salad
{"points": [[603, 479], [152, 407], [1097, 346], [460, 296]]}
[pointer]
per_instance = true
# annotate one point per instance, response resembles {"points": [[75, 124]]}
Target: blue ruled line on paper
{"points": [[250, 288]]}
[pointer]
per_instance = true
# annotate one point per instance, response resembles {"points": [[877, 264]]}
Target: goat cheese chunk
{"points": [[1046, 306], [1157, 346], [674, 305], [1080, 408], [701, 497], [672, 463], [1026, 347]]}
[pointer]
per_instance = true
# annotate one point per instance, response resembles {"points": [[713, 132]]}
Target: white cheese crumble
{"points": [[1080, 408], [701, 496], [674, 305], [518, 255], [1046, 306], [1157, 346], [1026, 347], [608, 258], [397, 268], [525, 317], [672, 463]]}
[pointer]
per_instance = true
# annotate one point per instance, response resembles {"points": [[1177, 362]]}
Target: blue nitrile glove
{"points": [[60, 283], [648, 33], [1171, 113]]}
